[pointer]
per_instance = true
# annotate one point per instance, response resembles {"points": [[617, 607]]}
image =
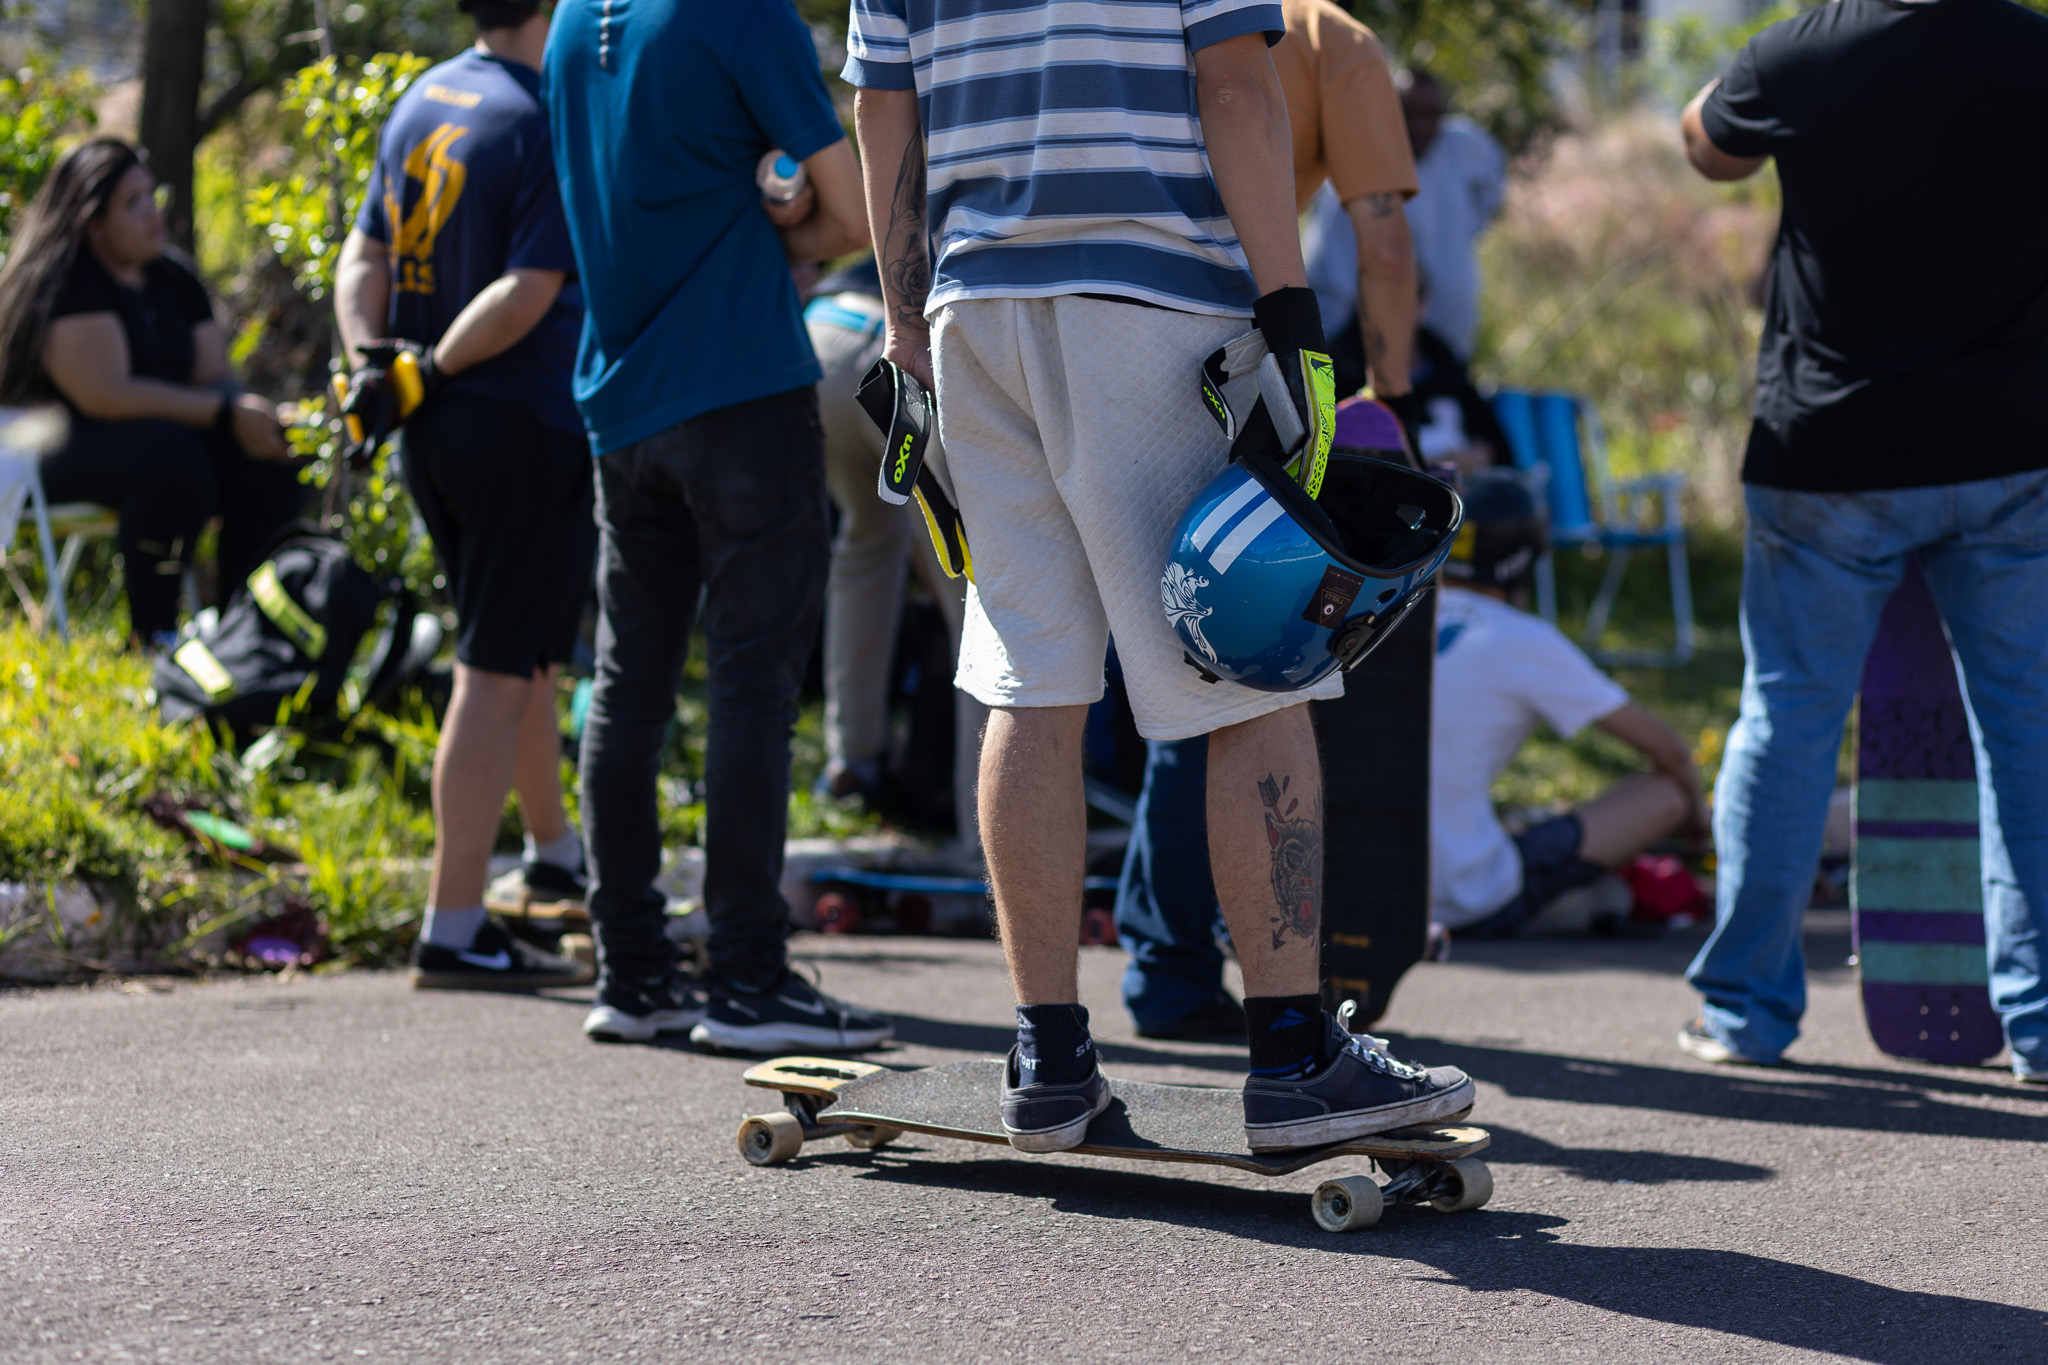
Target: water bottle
{"points": [[780, 176]]}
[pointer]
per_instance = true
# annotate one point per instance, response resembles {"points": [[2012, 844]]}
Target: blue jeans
{"points": [[1166, 909], [1818, 569]]}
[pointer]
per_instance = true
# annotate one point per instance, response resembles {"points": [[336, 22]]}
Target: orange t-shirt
{"points": [[1348, 126]]}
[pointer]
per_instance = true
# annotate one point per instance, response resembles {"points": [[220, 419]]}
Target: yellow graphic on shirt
{"points": [[413, 234]]}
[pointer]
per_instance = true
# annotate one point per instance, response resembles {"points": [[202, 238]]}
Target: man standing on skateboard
{"points": [[460, 256], [1898, 412], [1059, 252], [696, 381], [1347, 129]]}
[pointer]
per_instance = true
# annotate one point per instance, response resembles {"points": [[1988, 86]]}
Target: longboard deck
{"points": [[1915, 889], [1144, 1122], [1375, 750]]}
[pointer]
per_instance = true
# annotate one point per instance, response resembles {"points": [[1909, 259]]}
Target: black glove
{"points": [[1407, 410], [395, 378], [1300, 392]]}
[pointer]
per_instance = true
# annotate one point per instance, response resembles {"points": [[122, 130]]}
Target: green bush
{"points": [[42, 110]]}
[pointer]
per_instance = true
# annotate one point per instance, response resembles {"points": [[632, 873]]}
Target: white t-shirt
{"points": [[1499, 671]]}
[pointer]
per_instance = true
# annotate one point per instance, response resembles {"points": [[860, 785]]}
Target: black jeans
{"points": [[732, 504], [166, 480]]}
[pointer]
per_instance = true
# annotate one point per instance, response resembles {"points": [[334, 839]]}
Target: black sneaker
{"points": [[539, 890], [495, 962], [1362, 1091], [794, 1016], [1219, 1020], [1050, 1118], [638, 1011]]}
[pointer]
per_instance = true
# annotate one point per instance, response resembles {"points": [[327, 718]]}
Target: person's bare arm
{"points": [[1709, 160], [836, 220], [893, 179], [210, 367], [1640, 730], [86, 357], [1386, 290], [1251, 153], [362, 293], [492, 323]]}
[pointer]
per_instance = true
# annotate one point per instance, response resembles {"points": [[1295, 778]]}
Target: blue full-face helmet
{"points": [[1276, 590]]}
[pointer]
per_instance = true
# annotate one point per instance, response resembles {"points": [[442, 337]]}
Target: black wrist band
{"points": [[224, 420], [1290, 320], [1406, 406]]}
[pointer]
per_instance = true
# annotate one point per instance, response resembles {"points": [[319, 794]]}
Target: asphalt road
{"points": [[341, 1169]]}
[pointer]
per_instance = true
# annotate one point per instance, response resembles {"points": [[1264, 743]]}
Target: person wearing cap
{"points": [[1500, 672], [459, 262], [697, 383]]}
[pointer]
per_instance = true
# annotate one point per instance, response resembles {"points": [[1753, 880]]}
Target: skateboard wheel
{"points": [[867, 1139], [837, 913], [1470, 1186], [1347, 1204], [771, 1139], [1098, 927]]}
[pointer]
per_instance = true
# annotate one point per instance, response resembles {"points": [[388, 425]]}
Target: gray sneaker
{"points": [[1362, 1091], [1699, 1040], [1050, 1118]]}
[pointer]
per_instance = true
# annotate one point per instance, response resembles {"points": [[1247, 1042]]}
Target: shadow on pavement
{"points": [[1607, 1164], [1765, 1300], [1815, 1097]]}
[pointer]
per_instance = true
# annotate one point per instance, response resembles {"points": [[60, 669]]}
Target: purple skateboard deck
{"points": [[1915, 889]]}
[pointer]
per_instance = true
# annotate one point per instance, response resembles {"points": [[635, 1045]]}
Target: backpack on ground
{"points": [[291, 641]]}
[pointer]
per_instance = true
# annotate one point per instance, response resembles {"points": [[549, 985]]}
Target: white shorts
{"points": [[1075, 438]]}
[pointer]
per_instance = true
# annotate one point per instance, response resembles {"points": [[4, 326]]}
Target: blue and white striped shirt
{"points": [[1064, 154]]}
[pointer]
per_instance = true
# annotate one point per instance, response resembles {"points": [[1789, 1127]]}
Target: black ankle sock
{"points": [[1053, 1046], [1286, 1034]]}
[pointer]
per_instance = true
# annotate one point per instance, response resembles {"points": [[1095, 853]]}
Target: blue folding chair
{"points": [[1556, 436]]}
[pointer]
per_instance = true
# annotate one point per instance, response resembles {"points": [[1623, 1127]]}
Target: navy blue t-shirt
{"points": [[660, 110], [464, 190]]}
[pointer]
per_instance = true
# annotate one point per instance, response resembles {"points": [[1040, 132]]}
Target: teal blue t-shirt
{"points": [[660, 110]]}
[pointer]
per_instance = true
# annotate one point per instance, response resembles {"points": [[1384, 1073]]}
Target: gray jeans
{"points": [[732, 504]]}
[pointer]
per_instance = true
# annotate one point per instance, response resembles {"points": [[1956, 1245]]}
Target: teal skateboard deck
{"points": [[1915, 888], [871, 1106]]}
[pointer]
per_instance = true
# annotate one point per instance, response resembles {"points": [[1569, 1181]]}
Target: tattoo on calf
{"points": [[1296, 839], [909, 266], [1382, 205]]}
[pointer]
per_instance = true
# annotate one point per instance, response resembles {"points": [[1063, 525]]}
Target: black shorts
{"points": [[507, 500], [1551, 866]]}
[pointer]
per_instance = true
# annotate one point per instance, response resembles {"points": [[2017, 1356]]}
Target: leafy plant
{"points": [[42, 108]]}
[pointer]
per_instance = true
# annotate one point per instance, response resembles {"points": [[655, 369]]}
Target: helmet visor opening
{"points": [[1374, 516]]}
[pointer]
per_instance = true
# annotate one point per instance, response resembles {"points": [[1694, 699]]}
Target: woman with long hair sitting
{"points": [[94, 311]]}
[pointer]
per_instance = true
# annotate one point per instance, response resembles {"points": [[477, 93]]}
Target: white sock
{"points": [[565, 852], [456, 929]]}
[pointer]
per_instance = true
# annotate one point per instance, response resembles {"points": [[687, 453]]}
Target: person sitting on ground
{"points": [[462, 255], [96, 311], [1499, 671]]}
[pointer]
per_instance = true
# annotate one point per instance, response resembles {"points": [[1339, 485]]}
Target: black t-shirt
{"points": [[1905, 333], [157, 319]]}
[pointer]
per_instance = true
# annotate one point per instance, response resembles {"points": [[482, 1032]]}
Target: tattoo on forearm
{"points": [[1295, 837], [908, 266]]}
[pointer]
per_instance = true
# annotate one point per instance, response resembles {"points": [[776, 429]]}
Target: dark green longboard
{"points": [[872, 1105], [1375, 749]]}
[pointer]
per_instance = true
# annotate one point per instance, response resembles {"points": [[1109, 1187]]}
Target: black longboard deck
{"points": [[1144, 1122], [1374, 743]]}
